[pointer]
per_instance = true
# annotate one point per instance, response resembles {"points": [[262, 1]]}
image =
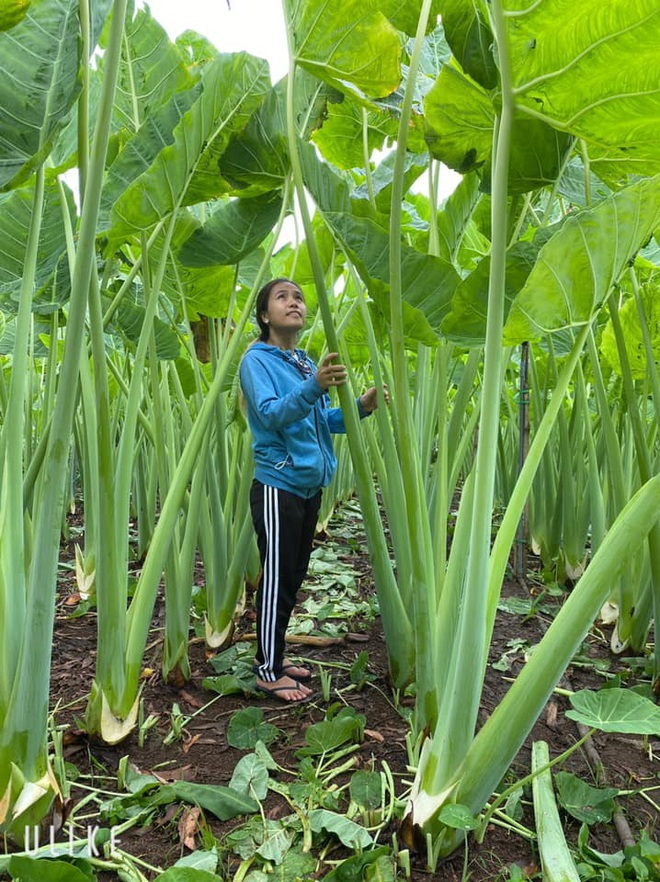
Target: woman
{"points": [[291, 421]]}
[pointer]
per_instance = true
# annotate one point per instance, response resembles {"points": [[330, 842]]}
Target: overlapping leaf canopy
{"points": [[41, 58], [193, 126]]}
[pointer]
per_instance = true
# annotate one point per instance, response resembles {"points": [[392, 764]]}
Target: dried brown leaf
{"points": [[374, 735], [188, 826]]}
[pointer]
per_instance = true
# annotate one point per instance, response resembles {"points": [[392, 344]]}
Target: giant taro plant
{"points": [[178, 226]]}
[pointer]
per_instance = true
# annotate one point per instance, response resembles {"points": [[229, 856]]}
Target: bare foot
{"points": [[285, 689]]}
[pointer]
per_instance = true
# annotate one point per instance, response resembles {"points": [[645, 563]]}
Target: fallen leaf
{"points": [[188, 826], [170, 814], [180, 774], [190, 699], [374, 735], [187, 744]]}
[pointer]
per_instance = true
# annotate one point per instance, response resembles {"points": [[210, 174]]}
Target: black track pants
{"points": [[285, 526]]}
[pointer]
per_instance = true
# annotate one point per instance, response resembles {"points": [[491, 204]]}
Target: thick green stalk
{"points": [[645, 471], [595, 483], [226, 537], [12, 539], [500, 738], [391, 479], [440, 473], [110, 581], [462, 424], [617, 481], [460, 703], [139, 613], [28, 712], [367, 162], [648, 345], [116, 473], [556, 859], [395, 620], [423, 585], [88, 452], [507, 530], [498, 741], [179, 580], [83, 100]]}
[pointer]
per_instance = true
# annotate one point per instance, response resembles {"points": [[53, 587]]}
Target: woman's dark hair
{"points": [[262, 304]]}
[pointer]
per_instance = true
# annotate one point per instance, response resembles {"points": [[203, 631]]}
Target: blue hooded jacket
{"points": [[290, 418]]}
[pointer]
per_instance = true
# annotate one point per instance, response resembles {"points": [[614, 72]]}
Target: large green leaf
{"points": [[632, 330], [152, 73], [207, 290], [347, 831], [470, 38], [129, 319], [64, 154], [340, 138], [577, 267], [455, 216], [415, 165], [247, 726], [186, 171], [187, 874], [615, 710], [65, 147], [12, 12], [348, 43], [38, 86], [141, 150], [460, 120], [250, 774], [466, 323], [15, 213], [592, 69], [234, 229], [151, 70], [257, 158], [347, 727], [592, 805], [404, 14], [224, 802], [42, 331], [574, 184], [435, 53], [428, 282], [27, 869]]}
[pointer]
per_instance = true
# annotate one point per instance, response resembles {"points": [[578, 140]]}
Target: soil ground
{"points": [[203, 754]]}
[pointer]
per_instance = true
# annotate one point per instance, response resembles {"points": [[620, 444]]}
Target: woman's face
{"points": [[286, 310]]}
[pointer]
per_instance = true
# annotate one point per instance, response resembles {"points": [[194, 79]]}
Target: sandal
{"points": [[286, 671], [274, 692], [292, 666]]}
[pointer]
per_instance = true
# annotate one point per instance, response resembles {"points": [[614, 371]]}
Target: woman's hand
{"points": [[329, 374], [369, 399]]}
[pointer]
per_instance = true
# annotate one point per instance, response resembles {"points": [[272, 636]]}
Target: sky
{"points": [[257, 26]]}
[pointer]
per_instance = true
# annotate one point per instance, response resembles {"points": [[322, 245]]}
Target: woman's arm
{"points": [[366, 404], [271, 409]]}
